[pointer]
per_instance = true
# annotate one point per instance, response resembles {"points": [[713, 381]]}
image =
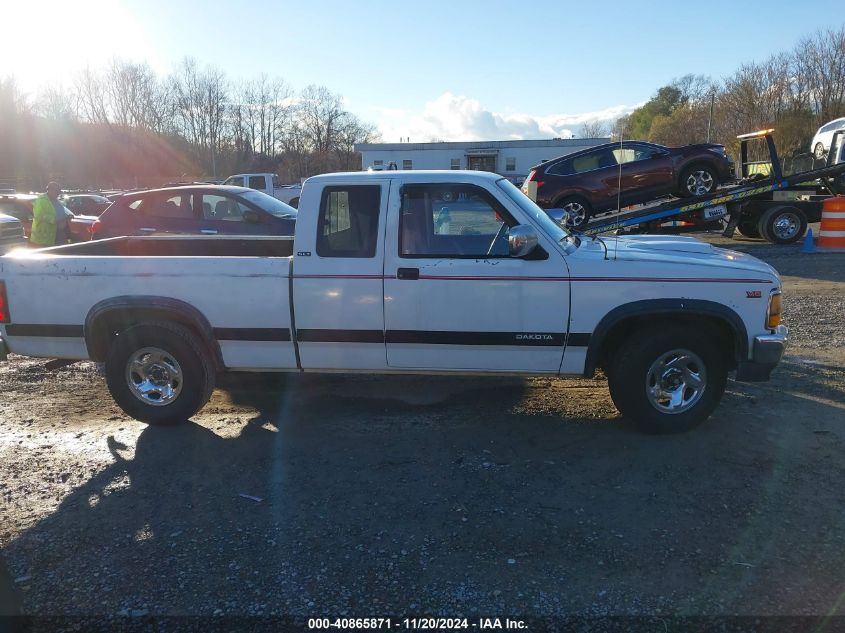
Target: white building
{"points": [[512, 159]]}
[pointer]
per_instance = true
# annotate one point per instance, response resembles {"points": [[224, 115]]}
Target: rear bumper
{"points": [[765, 355]]}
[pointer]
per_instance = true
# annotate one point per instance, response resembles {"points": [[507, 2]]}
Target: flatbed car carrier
{"points": [[775, 207]]}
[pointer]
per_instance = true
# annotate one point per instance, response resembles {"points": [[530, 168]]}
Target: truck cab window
{"points": [[256, 182], [348, 222], [452, 221], [234, 181]]}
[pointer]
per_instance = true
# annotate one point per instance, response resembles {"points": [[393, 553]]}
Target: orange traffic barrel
{"points": [[832, 230]]}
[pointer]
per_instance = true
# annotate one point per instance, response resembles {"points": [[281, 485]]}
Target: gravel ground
{"points": [[399, 496]]}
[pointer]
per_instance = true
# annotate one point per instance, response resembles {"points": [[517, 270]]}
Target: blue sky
{"points": [[481, 67]]}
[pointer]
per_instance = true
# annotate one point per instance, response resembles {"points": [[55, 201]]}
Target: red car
{"points": [[587, 183], [19, 205], [85, 203]]}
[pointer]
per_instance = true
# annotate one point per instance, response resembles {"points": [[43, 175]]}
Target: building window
{"points": [[510, 164], [456, 163], [407, 164]]}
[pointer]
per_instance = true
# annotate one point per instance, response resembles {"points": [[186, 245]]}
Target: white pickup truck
{"points": [[403, 271], [269, 184]]}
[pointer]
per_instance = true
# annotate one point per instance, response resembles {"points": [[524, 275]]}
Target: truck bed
{"points": [[239, 285]]}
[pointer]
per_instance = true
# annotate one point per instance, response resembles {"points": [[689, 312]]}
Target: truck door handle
{"points": [[408, 273], [208, 232]]}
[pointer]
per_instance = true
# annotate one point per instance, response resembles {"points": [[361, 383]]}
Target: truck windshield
{"points": [[269, 204], [549, 226]]}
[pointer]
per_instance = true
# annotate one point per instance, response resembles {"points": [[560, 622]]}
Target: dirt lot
{"points": [[392, 496]]}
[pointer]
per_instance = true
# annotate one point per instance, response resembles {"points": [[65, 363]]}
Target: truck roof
{"points": [[415, 175]]}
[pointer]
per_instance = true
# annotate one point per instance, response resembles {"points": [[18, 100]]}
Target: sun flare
{"points": [[53, 40]]}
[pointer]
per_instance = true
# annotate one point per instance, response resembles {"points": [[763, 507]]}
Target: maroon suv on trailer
{"points": [[587, 183]]}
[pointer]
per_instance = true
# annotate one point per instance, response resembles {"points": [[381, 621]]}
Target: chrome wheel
{"points": [[700, 182], [576, 214], [154, 376], [818, 151], [676, 381], [786, 226]]}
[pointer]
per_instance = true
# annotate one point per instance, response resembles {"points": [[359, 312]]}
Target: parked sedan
{"points": [[85, 203], [20, 206], [194, 209], [615, 175]]}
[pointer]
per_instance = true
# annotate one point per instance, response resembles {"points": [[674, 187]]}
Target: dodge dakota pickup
{"points": [[402, 271]]}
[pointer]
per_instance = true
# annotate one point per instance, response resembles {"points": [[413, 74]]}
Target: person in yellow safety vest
{"points": [[49, 219]]}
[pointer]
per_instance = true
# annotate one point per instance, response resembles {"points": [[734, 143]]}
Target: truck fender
{"points": [[136, 308], [665, 308]]}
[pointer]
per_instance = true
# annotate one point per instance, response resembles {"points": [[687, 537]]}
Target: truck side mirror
{"points": [[522, 240]]}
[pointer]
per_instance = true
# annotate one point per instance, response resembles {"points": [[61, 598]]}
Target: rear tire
{"points": [[782, 225], [668, 367], [819, 152], [748, 229], [159, 373]]}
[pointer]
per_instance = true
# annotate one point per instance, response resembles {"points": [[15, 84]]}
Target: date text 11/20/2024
{"points": [[422, 624]]}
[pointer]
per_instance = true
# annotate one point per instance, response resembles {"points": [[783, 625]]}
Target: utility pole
{"points": [[710, 118]]}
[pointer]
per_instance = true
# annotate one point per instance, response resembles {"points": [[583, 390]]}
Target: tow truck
{"points": [[773, 206]]}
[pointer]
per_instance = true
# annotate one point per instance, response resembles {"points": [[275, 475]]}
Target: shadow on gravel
{"points": [[827, 384], [10, 601], [363, 504]]}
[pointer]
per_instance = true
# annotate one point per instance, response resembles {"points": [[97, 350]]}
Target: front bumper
{"points": [[765, 355]]}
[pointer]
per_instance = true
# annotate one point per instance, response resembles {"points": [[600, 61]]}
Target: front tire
{"points": [[819, 151], [698, 180], [668, 379], [159, 373], [577, 210]]}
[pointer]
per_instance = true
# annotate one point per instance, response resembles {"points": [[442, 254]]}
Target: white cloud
{"points": [[452, 117]]}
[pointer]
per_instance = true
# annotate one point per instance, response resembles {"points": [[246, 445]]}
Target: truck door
{"points": [[454, 298], [338, 287]]}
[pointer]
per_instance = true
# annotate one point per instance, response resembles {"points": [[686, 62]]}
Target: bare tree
{"points": [[320, 113], [594, 129], [200, 100], [91, 97], [820, 61], [351, 131], [56, 103]]}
